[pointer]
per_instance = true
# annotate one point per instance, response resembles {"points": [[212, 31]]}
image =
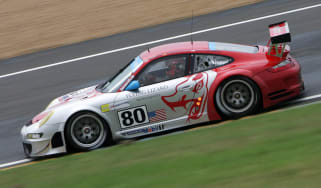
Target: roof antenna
{"points": [[148, 50], [192, 27]]}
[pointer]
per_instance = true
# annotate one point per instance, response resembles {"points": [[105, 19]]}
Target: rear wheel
{"points": [[237, 97], [86, 131]]}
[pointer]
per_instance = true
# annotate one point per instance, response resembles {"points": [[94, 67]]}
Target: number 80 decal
{"points": [[133, 116]]}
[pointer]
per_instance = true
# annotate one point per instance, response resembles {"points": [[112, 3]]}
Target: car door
{"points": [[164, 95], [203, 74]]}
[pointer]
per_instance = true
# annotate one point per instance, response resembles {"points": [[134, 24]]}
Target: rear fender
{"points": [[212, 111]]}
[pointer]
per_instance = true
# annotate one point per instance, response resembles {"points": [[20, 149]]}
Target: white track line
{"points": [[158, 41], [6, 165], [306, 98]]}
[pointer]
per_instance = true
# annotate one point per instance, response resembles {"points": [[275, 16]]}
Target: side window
{"points": [[204, 62], [163, 69]]}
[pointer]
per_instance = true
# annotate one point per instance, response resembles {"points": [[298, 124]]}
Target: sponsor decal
{"points": [[80, 94], [108, 107], [197, 106], [146, 92], [148, 97], [105, 108], [151, 129], [65, 97], [120, 105], [157, 115]]}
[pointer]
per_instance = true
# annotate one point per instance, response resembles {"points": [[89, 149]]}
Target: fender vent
{"points": [[56, 140], [276, 92], [281, 95], [27, 148]]}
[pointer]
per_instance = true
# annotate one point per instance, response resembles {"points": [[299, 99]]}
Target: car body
{"points": [[165, 87]]}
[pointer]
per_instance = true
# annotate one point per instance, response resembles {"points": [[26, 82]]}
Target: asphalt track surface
{"points": [[24, 95]]}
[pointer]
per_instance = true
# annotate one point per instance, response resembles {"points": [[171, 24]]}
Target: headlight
{"points": [[34, 135]]}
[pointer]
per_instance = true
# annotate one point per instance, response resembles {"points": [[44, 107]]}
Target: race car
{"points": [[167, 87]]}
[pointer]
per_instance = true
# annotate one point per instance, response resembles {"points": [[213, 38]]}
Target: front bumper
{"points": [[51, 142]]}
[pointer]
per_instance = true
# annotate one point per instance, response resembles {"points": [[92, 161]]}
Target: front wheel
{"points": [[237, 97], [86, 131]]}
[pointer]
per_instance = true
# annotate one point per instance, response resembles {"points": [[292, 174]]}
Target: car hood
{"points": [[78, 95]]}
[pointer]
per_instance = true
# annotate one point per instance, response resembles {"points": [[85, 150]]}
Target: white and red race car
{"points": [[167, 87]]}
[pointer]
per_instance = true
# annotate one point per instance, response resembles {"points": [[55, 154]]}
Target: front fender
{"points": [[63, 114]]}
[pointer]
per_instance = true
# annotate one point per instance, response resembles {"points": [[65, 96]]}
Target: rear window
{"points": [[220, 46], [203, 62]]}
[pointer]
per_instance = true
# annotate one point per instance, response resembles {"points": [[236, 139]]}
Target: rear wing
{"points": [[280, 35]]}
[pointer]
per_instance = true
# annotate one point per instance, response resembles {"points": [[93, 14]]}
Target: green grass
{"points": [[281, 149]]}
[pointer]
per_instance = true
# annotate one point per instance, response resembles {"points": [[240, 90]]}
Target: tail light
{"points": [[283, 65]]}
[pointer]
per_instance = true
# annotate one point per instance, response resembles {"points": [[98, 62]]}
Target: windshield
{"points": [[118, 79]]}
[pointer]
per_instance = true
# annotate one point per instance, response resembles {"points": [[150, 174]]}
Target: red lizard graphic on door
{"points": [[194, 105]]}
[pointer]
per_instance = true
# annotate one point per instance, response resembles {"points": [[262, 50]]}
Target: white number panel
{"points": [[133, 117]]}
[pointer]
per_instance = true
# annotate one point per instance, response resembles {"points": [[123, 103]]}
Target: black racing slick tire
{"points": [[237, 97], [86, 131]]}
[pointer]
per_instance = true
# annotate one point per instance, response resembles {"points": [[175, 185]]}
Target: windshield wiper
{"points": [[101, 85]]}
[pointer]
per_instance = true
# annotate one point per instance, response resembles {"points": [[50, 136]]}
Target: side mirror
{"points": [[133, 85]]}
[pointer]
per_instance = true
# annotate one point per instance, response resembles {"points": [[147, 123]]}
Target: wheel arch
{"points": [[213, 113], [106, 122]]}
